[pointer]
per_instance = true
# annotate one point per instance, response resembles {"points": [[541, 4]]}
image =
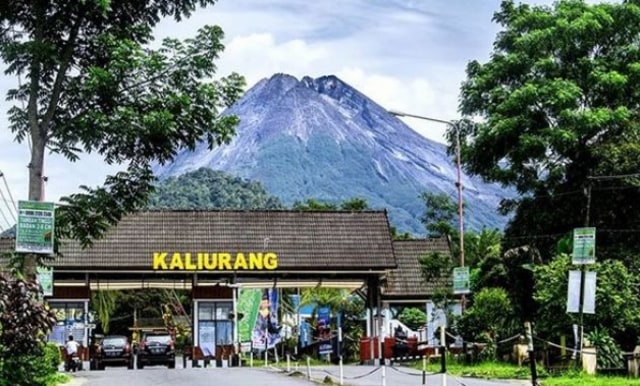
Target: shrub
{"points": [[30, 370]]}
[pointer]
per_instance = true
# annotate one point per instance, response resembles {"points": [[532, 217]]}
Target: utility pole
{"points": [[582, 278]]}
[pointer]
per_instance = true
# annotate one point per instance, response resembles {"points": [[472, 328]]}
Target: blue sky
{"points": [[407, 55]]}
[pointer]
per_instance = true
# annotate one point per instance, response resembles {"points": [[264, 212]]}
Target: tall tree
{"points": [[92, 84], [560, 103], [439, 214]]}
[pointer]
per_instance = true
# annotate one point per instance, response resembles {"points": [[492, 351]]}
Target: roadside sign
{"points": [[45, 278], [35, 228], [584, 246], [588, 305], [461, 280]]}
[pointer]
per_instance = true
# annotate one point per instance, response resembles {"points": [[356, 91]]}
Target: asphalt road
{"points": [[261, 376]]}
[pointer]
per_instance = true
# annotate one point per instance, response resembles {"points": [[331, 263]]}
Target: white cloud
{"points": [[406, 55]]}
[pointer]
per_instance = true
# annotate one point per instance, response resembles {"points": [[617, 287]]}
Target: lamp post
{"points": [[456, 128]]}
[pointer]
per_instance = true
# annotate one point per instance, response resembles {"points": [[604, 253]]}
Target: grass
{"points": [[485, 370], [498, 370], [575, 378], [58, 379]]}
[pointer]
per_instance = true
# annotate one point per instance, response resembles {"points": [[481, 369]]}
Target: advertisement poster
{"points": [[34, 231], [248, 306], [266, 331], [45, 278], [323, 329]]}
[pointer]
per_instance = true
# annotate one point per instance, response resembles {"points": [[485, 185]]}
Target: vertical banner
{"points": [[266, 331], [323, 329], [589, 305], [573, 292], [248, 306], [44, 276], [34, 231]]}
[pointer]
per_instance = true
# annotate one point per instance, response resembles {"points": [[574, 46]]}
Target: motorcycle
{"points": [[72, 363]]}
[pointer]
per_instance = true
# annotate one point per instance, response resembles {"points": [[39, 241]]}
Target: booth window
{"points": [[214, 326], [70, 319]]}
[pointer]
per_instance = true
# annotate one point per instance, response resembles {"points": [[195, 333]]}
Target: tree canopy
{"points": [[559, 103], [91, 83], [208, 189]]}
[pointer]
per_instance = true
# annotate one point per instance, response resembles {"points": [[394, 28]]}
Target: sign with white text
{"points": [[584, 246], [35, 228], [461, 280]]}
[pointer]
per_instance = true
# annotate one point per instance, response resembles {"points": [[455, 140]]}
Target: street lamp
{"points": [[456, 128]]}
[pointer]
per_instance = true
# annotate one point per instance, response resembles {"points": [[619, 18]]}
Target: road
{"points": [[352, 376]]}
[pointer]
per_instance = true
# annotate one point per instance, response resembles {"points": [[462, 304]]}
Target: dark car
{"points": [[114, 350], [156, 349]]}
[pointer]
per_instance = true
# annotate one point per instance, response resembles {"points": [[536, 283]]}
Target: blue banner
{"points": [[266, 331], [323, 329]]}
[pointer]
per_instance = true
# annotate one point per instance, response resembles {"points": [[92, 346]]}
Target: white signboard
{"points": [[573, 292]]}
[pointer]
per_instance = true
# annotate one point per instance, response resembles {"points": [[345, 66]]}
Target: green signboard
{"points": [[34, 231], [461, 281], [584, 246], [45, 278]]}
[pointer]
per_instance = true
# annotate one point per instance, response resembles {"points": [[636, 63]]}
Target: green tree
{"points": [[490, 316], [439, 215], [208, 189], [24, 319], [104, 303], [413, 318], [484, 254], [312, 204], [92, 84], [617, 300], [559, 103]]}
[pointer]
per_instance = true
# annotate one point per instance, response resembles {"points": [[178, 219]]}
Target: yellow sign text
{"points": [[217, 261]]}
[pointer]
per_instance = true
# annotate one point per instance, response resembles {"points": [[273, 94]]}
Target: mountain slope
{"points": [[321, 138]]}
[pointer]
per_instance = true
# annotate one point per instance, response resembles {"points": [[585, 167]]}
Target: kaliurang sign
{"points": [[215, 261]]}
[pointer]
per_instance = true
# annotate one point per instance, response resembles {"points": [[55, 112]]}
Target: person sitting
{"points": [[71, 350], [71, 346], [401, 347]]}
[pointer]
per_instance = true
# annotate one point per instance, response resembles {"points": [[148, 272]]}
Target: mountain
{"points": [[323, 139]]}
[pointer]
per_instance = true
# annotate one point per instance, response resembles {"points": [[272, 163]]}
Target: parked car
{"points": [[113, 350], [156, 348]]}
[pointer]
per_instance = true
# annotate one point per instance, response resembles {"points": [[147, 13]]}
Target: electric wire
{"points": [[6, 203], [6, 184]]}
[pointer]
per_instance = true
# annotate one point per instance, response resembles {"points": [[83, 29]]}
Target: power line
{"points": [[6, 184], [7, 205], [5, 218]]}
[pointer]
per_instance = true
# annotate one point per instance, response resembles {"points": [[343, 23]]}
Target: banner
{"points": [[584, 246], [461, 280], [248, 306], [573, 292], [266, 331], [323, 330], [44, 276], [34, 231]]}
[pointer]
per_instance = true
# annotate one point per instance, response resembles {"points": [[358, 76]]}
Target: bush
{"points": [[413, 318], [30, 370]]}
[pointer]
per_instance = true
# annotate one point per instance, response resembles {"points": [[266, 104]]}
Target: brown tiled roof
{"points": [[334, 240], [406, 282]]}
